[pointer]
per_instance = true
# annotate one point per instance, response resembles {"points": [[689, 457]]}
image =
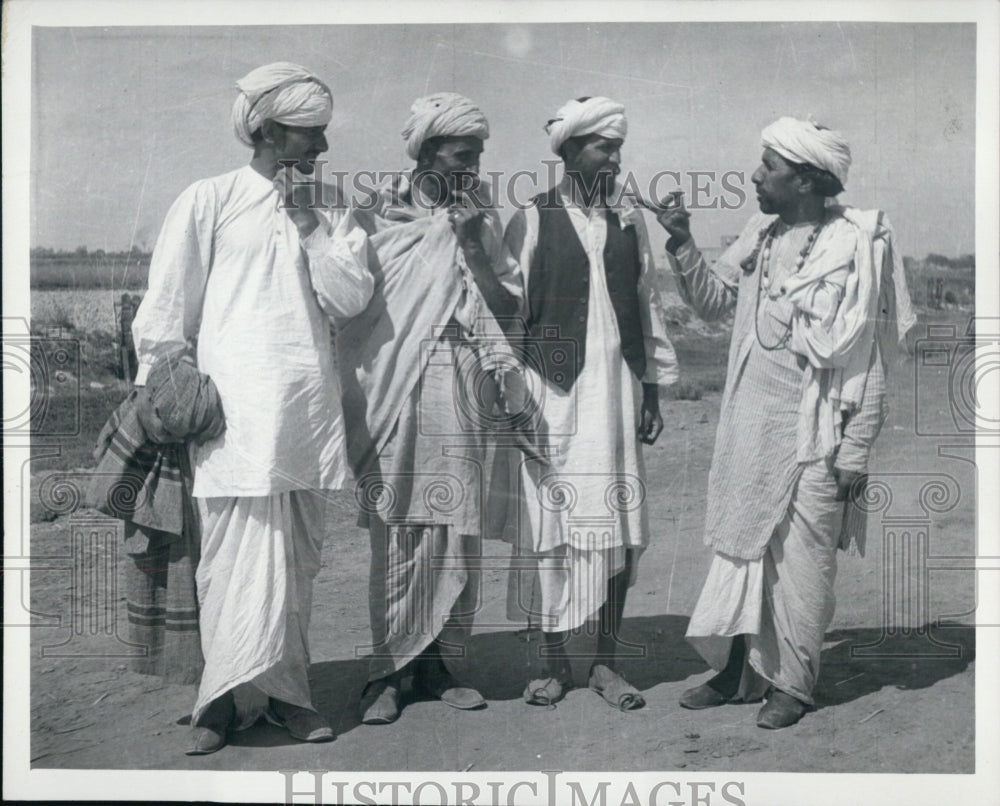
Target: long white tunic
{"points": [[592, 428], [229, 270], [580, 513]]}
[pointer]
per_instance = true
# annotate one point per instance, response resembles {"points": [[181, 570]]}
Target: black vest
{"points": [[559, 289]]}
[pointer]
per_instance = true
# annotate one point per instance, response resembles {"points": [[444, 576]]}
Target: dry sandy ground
{"points": [[896, 709]]}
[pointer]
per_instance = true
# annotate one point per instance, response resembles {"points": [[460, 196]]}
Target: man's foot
{"points": [[211, 733], [545, 691], [380, 702], [705, 696], [433, 677], [303, 724], [780, 711], [205, 740], [615, 690], [721, 688]]}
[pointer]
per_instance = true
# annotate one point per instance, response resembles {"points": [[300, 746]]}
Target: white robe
{"points": [[581, 513], [773, 521], [229, 270]]}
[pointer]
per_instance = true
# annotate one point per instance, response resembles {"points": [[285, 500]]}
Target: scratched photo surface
{"points": [[124, 119]]}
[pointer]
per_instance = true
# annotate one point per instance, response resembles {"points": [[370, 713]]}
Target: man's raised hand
{"points": [[676, 220]]}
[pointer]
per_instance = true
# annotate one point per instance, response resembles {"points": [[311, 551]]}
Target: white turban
{"points": [[598, 115], [803, 141], [283, 92], [443, 114]]}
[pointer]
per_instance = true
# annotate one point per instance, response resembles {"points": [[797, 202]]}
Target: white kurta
{"points": [[229, 270], [584, 510]]}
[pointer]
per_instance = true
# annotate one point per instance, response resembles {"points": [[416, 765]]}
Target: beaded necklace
{"points": [[764, 244]]}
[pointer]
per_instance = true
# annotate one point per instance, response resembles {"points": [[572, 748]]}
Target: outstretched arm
{"points": [[710, 291]]}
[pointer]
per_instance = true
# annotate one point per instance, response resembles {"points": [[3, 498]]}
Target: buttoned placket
{"points": [[595, 249]]}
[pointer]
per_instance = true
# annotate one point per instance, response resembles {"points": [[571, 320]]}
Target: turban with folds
{"points": [[597, 115], [803, 141], [283, 92], [443, 114]]}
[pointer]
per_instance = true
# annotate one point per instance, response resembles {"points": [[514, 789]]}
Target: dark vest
{"points": [[559, 290]]}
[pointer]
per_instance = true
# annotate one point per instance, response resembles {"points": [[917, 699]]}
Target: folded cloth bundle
{"points": [[185, 400], [137, 479], [147, 485]]}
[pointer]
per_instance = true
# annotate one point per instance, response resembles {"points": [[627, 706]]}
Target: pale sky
{"points": [[124, 118]]}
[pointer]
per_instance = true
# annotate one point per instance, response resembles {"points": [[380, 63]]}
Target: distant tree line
{"points": [[934, 260], [82, 253]]}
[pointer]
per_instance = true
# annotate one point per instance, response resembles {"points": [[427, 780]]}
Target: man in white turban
{"points": [[596, 354], [412, 367], [443, 114], [584, 116], [282, 92], [803, 403], [252, 277]]}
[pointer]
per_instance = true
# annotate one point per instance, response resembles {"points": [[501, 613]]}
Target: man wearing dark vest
{"points": [[595, 354]]}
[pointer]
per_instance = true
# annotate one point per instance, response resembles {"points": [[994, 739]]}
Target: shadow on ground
{"points": [[864, 661], [861, 661]]}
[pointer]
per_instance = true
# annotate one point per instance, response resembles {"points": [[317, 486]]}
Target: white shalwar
{"points": [[230, 272], [580, 514]]}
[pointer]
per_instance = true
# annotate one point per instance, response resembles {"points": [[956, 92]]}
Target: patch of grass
{"points": [[72, 423], [684, 390], [702, 362], [59, 318]]}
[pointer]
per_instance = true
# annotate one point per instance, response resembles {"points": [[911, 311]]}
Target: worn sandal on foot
{"points": [[780, 711], [380, 703], [438, 682], [303, 724], [212, 731], [615, 689], [545, 691], [703, 696], [205, 740]]}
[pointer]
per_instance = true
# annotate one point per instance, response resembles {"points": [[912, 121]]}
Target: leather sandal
{"points": [[205, 740], [211, 733], [780, 711], [380, 702], [303, 724], [703, 696], [615, 689], [545, 691], [434, 679]]}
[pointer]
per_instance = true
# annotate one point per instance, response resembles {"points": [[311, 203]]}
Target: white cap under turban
{"points": [[443, 114], [597, 115], [284, 92], [804, 141]]}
